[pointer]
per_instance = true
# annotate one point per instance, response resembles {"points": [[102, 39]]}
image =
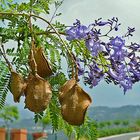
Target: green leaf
{"points": [[4, 83], [38, 116]]}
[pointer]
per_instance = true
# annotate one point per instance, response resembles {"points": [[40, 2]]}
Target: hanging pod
{"points": [[38, 94], [65, 89], [74, 102], [17, 85], [43, 66]]}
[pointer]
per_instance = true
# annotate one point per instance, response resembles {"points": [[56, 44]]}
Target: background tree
{"points": [[125, 123], [9, 114], [117, 122], [137, 123], [102, 125]]}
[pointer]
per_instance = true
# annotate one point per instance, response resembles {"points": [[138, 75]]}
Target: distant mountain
{"points": [[100, 113], [103, 113]]}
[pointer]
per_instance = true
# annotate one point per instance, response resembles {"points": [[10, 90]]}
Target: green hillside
{"points": [[102, 113]]}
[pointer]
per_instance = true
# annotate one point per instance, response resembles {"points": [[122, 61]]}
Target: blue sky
{"points": [[87, 11]]}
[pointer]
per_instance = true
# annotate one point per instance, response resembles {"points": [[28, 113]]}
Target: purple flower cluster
{"points": [[111, 60], [77, 31], [118, 52], [94, 75]]}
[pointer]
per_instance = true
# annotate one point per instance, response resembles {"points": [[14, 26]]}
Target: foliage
{"points": [[4, 83], [138, 122], [115, 131], [117, 122], [101, 125], [88, 130], [38, 116], [9, 114], [125, 122], [117, 127], [45, 120]]}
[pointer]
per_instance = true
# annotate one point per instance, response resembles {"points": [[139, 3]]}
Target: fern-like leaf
{"points": [[38, 116], [4, 83], [54, 113]]}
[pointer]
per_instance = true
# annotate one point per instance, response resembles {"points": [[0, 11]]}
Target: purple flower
{"points": [[120, 63], [94, 79], [116, 27], [95, 74], [117, 42], [94, 47], [90, 43], [77, 31], [122, 79], [134, 46], [80, 69], [133, 62], [95, 82], [131, 30], [113, 74], [134, 69], [136, 73], [120, 69], [126, 84], [120, 74], [119, 55], [71, 33], [101, 23], [81, 32]]}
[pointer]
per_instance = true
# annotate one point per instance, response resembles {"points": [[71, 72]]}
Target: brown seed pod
{"points": [[43, 66], [74, 102], [65, 89], [17, 85], [38, 94]]}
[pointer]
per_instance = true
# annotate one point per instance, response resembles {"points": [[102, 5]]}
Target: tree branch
{"points": [[46, 33], [15, 14]]}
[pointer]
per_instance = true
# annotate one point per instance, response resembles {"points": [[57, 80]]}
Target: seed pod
{"points": [[17, 85], [43, 66], [65, 89], [74, 102], [38, 94]]}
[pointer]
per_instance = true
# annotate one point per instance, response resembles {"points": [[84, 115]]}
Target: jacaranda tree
{"points": [[46, 64]]}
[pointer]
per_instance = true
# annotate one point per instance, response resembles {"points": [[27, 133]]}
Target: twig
{"points": [[4, 56], [16, 14], [32, 41], [54, 14], [46, 33]]}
